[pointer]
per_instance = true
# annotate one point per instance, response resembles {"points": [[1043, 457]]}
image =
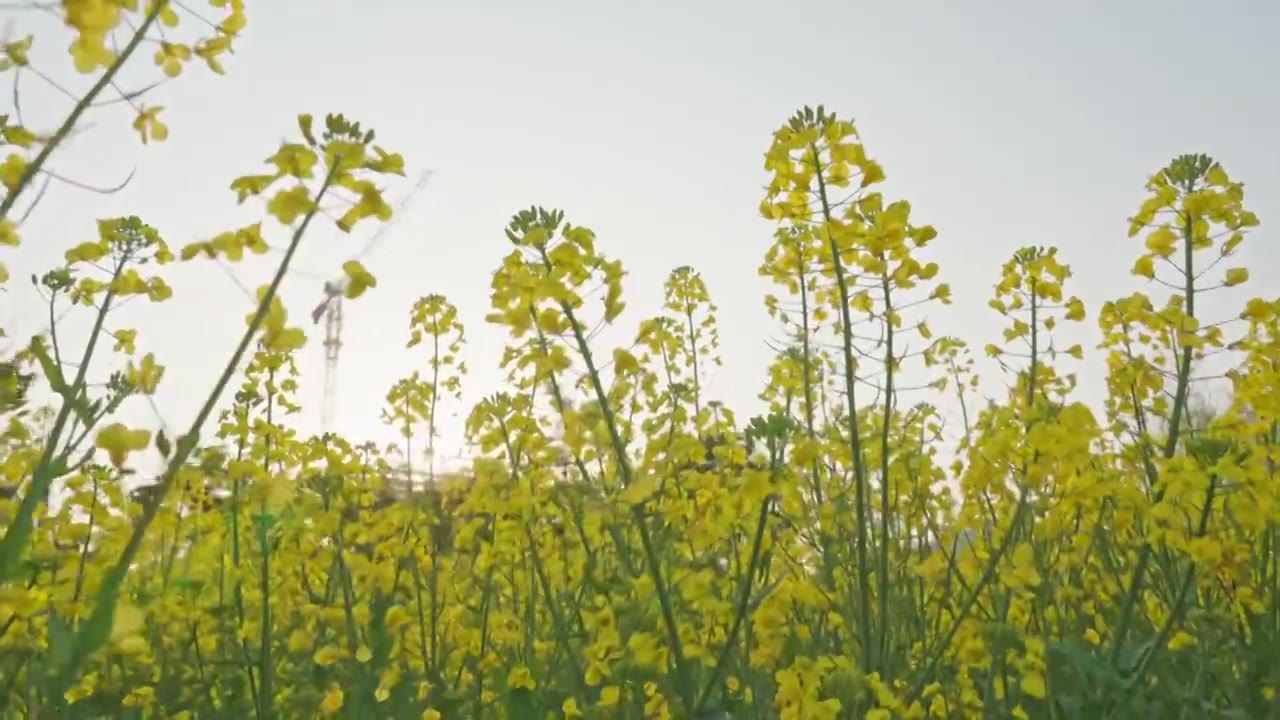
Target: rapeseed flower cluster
{"points": [[625, 546]]}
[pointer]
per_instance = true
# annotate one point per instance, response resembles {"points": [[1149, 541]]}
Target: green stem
{"points": [[806, 364], [82, 106], [19, 530], [884, 471], [744, 601], [267, 664], [693, 356], [865, 638], [654, 566], [989, 572], [96, 631], [1171, 442], [557, 622], [1180, 603], [237, 592]]}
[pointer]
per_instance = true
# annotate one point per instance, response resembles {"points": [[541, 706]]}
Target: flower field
{"points": [[646, 553]]}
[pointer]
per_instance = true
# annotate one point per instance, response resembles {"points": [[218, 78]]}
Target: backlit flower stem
{"points": [[82, 106], [1185, 591], [265, 707], [806, 366], [693, 357], [989, 572], [558, 624], [558, 401], [237, 591], [683, 679], [1171, 442], [95, 632], [48, 469], [865, 635], [885, 501], [266, 698], [744, 595]]}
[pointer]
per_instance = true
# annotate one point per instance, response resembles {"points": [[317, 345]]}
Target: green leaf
{"points": [[189, 584], [449, 702], [163, 444], [58, 467], [522, 705], [85, 410], [1132, 657], [1075, 665], [93, 634], [51, 371], [61, 638]]}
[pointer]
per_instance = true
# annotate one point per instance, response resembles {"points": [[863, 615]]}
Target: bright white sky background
{"points": [[1004, 123]]}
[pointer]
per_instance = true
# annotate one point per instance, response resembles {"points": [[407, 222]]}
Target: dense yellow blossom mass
{"points": [[646, 553]]}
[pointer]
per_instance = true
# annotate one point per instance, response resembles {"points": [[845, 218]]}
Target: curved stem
{"points": [[654, 566], [50, 467], [1170, 447], [98, 627], [855, 437], [744, 601], [81, 107]]}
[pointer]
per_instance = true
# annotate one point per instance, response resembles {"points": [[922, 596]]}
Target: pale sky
{"points": [[1004, 123]]}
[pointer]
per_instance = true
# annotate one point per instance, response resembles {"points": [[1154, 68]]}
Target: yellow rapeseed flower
{"points": [[520, 677], [332, 701]]}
